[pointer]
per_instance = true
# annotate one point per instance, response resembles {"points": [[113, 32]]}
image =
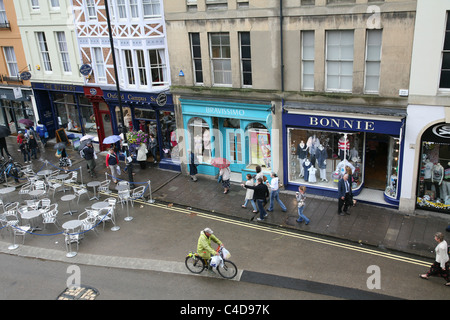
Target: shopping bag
{"points": [[118, 170], [215, 261], [226, 254]]}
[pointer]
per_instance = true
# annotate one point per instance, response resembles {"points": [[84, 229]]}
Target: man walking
{"points": [[260, 194], [89, 155], [344, 195]]}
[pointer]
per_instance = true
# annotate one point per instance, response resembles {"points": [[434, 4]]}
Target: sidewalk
{"points": [[387, 229]]}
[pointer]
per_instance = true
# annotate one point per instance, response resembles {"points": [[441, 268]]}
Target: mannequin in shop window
{"points": [[301, 155], [321, 156], [446, 185], [312, 175], [206, 145], [313, 143], [343, 147], [198, 145], [306, 165], [437, 176]]}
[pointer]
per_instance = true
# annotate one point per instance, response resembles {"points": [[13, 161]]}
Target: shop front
{"points": [[153, 114], [237, 131], [320, 145], [15, 105], [64, 106], [433, 185]]}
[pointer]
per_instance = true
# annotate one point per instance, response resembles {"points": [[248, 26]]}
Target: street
{"points": [[286, 264]]}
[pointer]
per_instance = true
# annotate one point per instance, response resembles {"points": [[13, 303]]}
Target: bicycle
{"points": [[197, 264], [11, 168]]}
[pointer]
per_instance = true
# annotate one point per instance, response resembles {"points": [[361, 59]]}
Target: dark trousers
{"points": [[346, 203], [436, 270]]}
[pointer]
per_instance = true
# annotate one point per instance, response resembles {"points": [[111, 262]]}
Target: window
{"points": [[42, 42], [308, 2], [64, 51], [99, 65], [445, 69], [134, 9], [158, 67], [141, 67], [373, 60], [10, 57], [35, 5], [220, 58], [3, 17], [91, 10], [196, 57], [246, 58], [122, 9], [339, 61], [129, 67], [54, 4], [151, 8], [307, 60]]}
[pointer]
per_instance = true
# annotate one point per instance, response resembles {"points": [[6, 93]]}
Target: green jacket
{"points": [[204, 248]]}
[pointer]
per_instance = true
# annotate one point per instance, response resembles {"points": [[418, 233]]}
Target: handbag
{"points": [[58, 155], [219, 179]]}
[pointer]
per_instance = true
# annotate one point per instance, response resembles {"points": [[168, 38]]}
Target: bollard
{"points": [[150, 200]]}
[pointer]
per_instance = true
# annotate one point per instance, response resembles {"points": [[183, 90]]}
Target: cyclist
{"points": [[204, 248]]}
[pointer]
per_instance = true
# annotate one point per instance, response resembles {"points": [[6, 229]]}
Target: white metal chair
{"points": [[44, 204], [79, 191], [73, 178], [53, 184], [105, 215], [26, 188], [124, 196], [112, 203], [89, 221], [18, 231], [104, 187], [12, 206], [138, 193], [51, 216]]}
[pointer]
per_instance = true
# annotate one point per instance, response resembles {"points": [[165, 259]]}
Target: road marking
{"points": [[291, 234]]}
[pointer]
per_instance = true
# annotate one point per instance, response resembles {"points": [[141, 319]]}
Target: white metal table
{"points": [[71, 225], [30, 215], [68, 198], [94, 185]]}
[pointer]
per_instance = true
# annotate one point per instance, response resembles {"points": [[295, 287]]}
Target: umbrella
{"points": [[4, 131], [87, 137], [60, 145], [26, 122], [111, 139], [220, 163], [83, 144]]}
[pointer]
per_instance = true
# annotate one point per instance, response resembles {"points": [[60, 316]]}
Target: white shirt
{"points": [[441, 253], [274, 184]]}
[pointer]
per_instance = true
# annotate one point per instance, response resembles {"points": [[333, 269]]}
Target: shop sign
{"points": [[343, 124], [439, 133]]}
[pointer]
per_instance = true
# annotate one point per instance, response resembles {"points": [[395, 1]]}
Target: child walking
{"points": [[249, 194], [301, 198]]}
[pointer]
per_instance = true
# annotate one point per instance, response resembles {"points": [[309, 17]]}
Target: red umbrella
{"points": [[220, 163]]}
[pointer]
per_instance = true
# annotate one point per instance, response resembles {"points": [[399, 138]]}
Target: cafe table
{"points": [[70, 226]]}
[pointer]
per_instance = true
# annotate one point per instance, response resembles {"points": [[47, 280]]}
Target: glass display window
{"points": [[433, 187], [200, 139], [260, 147], [392, 167], [322, 157]]}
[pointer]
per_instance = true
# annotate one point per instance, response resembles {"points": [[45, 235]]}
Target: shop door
{"points": [[104, 127], [375, 167], [233, 143]]}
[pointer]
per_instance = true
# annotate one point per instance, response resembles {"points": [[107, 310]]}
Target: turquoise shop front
{"points": [[237, 131]]}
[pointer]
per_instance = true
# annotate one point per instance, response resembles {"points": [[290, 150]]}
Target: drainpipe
{"points": [[281, 47]]}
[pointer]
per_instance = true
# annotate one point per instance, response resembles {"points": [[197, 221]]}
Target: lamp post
{"points": [[119, 96]]}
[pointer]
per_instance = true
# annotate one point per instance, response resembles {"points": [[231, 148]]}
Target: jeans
{"points": [[275, 195], [301, 216], [33, 152], [262, 211], [26, 155], [252, 202]]}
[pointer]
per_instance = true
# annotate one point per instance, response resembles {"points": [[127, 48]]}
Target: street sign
{"points": [[85, 69], [25, 75]]}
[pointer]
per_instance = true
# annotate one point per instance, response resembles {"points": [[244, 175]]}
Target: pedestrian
{"points": [[259, 173], [4, 146], [64, 161], [33, 146], [344, 195], [42, 132], [152, 144], [112, 162], [249, 193], [275, 192], [225, 173], [193, 163], [348, 170], [301, 199], [23, 147], [142, 155], [260, 193], [88, 153], [440, 267]]}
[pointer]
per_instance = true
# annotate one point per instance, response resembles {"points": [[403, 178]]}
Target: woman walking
{"points": [[301, 198], [441, 265], [249, 194], [64, 161], [142, 156], [226, 174]]}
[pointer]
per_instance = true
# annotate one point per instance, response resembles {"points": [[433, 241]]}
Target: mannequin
{"points": [[312, 174], [301, 155], [198, 145], [437, 177], [313, 143], [321, 156], [343, 147], [127, 120], [353, 153], [306, 165], [206, 144], [446, 184]]}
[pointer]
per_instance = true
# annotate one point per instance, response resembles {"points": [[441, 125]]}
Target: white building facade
{"points": [[426, 178]]}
